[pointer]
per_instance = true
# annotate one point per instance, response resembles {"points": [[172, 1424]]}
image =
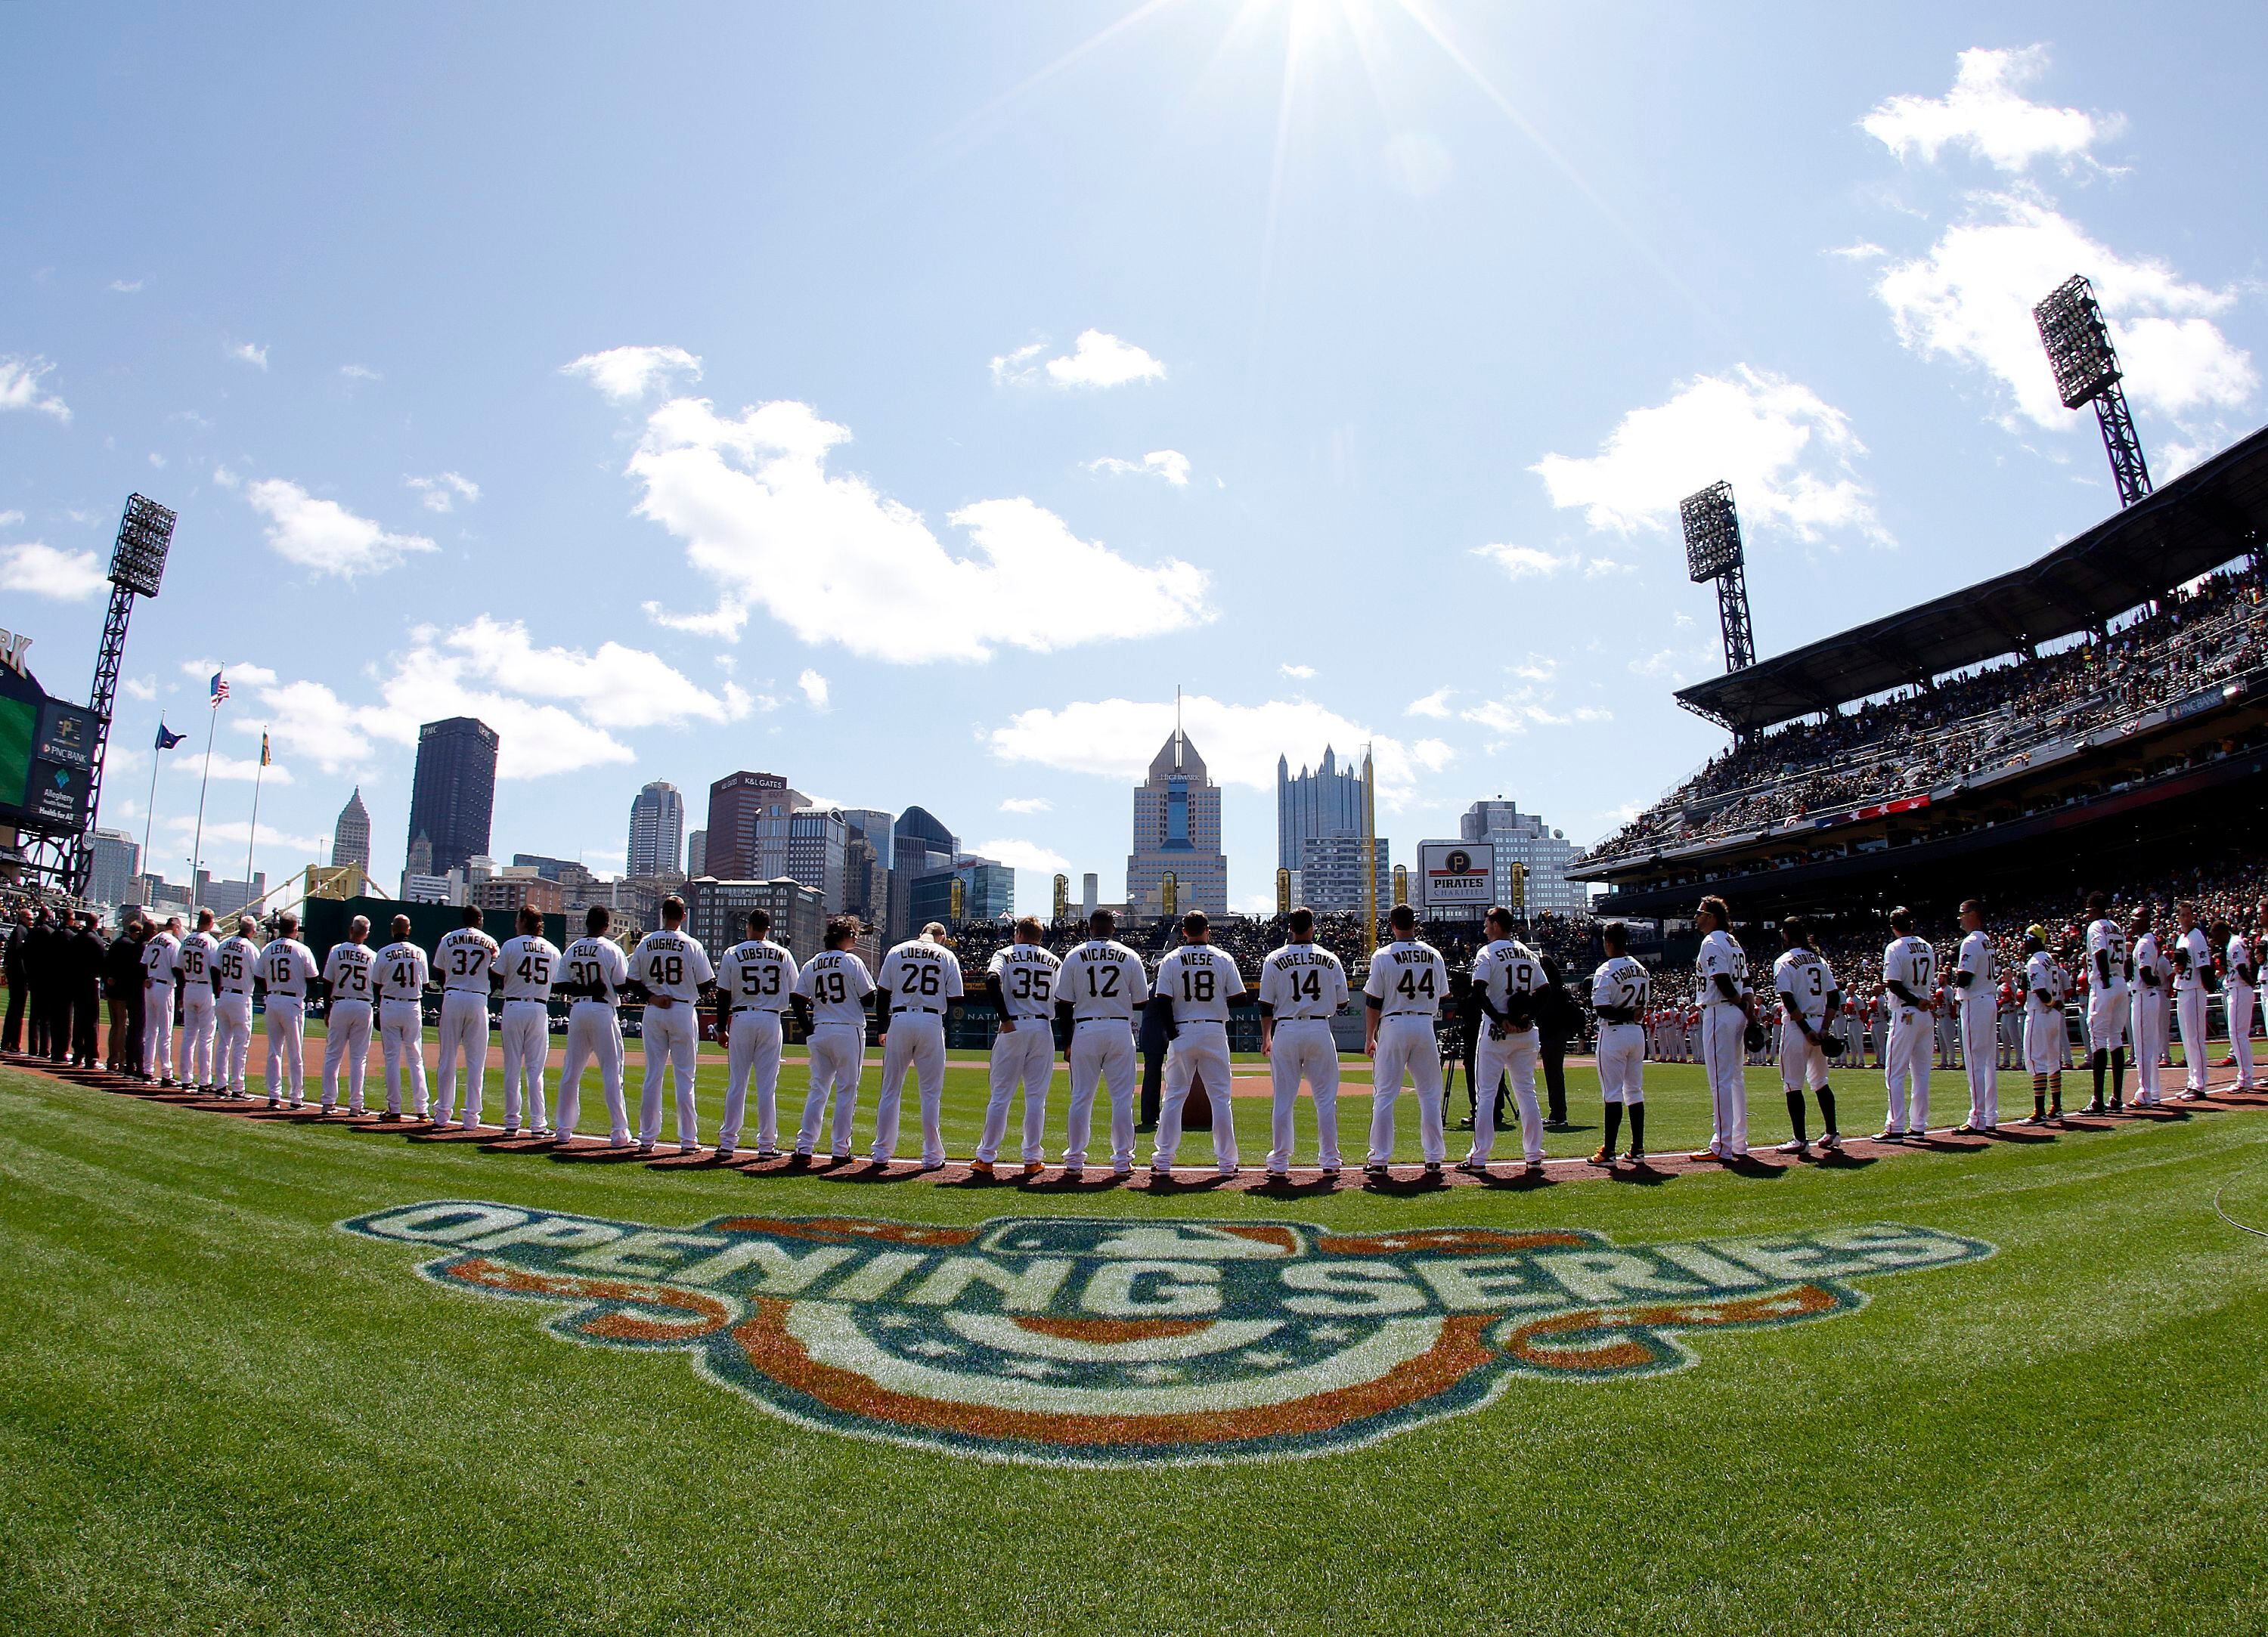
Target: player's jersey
{"points": [[285, 966], [1721, 956], [1409, 979], [1621, 981], [464, 958], [1302, 980], [1102, 977], [1200, 980], [234, 963], [2106, 937], [1976, 959], [161, 958], [196, 958], [920, 976], [2198, 948], [757, 975], [672, 964], [1028, 975], [401, 972], [1501, 969], [2043, 976], [597, 962], [530, 965], [1910, 960], [2147, 958], [837, 985], [347, 969], [1803, 976], [2236, 960]]}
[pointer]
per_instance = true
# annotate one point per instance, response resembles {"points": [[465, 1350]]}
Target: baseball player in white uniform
{"points": [[286, 967], [2240, 970], [2148, 1009], [1810, 1001], [1976, 980], [2108, 1005], [1100, 989], [1909, 975], [199, 1019], [594, 972], [2192, 958], [756, 983], [235, 964], [919, 980], [161, 958], [1302, 986], [2046, 1037], [1021, 984], [399, 977], [1402, 997], [530, 965], [1727, 1007], [465, 962], [1621, 991], [347, 973], [1507, 975], [1194, 984], [830, 998], [672, 967]]}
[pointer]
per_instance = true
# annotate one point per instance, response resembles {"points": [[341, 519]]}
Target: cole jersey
{"points": [[161, 958], [920, 976], [1302, 980], [197, 957], [1976, 960], [1102, 977], [2042, 976], [285, 965], [401, 972], [671, 963], [1408, 979], [1910, 960], [1200, 980], [837, 985], [757, 975], [234, 963], [1804, 978], [2106, 937], [1501, 969], [464, 958], [347, 969], [2198, 948], [596, 963], [1721, 955], [1028, 975], [530, 965]]}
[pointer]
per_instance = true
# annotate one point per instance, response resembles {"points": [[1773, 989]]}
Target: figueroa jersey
{"points": [[596, 963], [1102, 977], [1301, 982], [758, 976], [835, 983], [530, 965], [347, 969], [463, 959], [1408, 980], [401, 972], [1200, 980], [1620, 981], [1028, 975], [672, 964], [920, 976]]}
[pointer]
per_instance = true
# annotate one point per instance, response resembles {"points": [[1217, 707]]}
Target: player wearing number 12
{"points": [[1402, 997], [529, 963], [1196, 983], [756, 983], [672, 967], [919, 979], [1302, 986], [1021, 984], [1100, 989]]}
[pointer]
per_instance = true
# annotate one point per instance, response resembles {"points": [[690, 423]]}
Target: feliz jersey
{"points": [[597, 964]]}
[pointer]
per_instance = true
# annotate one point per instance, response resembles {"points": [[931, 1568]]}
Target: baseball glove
{"points": [[1754, 1039]]}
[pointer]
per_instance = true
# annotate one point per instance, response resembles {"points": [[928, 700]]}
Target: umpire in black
{"points": [[1559, 1020]]}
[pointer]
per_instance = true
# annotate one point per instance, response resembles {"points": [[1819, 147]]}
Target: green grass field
{"points": [[219, 1412]]}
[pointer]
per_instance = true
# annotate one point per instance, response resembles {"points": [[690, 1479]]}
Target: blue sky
{"points": [[905, 400]]}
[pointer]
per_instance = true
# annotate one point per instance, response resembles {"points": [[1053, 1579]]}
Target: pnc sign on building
{"points": [[1074, 1340]]}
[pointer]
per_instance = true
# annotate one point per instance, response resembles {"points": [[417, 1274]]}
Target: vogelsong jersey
{"points": [[1302, 982]]}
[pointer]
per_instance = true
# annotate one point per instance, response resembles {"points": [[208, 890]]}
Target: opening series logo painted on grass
{"points": [[1075, 1340]]}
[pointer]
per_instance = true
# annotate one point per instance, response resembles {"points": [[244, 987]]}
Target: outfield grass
{"points": [[219, 1412]]}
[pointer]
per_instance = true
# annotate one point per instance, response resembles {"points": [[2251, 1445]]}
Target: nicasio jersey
{"points": [[347, 969], [921, 976], [672, 964], [464, 958], [402, 972], [196, 958], [1102, 977], [234, 964], [835, 983], [757, 975], [1504, 969], [1200, 980], [1302, 981], [2107, 937], [530, 965], [2043, 976], [1409, 979], [1620, 981], [1721, 955], [596, 962], [1028, 975], [1804, 975], [285, 966]]}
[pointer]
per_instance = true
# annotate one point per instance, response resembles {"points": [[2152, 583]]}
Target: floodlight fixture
{"points": [[145, 533], [1712, 533], [2086, 367]]}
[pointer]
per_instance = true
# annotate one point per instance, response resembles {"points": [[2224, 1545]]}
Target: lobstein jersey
{"points": [[758, 975], [530, 965], [1102, 977], [196, 958], [1409, 979], [1503, 969], [401, 972], [1028, 975], [599, 963], [347, 969], [1621, 981], [464, 958], [1804, 975], [234, 963], [1200, 980], [836, 984], [1302, 981]]}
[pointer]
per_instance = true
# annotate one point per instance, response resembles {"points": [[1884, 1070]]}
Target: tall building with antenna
{"points": [[1177, 833], [350, 835]]}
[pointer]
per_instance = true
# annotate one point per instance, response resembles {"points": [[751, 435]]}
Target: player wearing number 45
{"points": [[1302, 986], [919, 979], [1402, 997], [1021, 984], [756, 983], [1194, 985], [529, 963], [672, 967]]}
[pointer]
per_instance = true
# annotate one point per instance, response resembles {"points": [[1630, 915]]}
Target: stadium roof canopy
{"points": [[2199, 521]]}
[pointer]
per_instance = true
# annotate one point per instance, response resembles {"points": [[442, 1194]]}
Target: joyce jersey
{"points": [[757, 975], [1912, 961], [1409, 979], [401, 972], [347, 969], [837, 985], [464, 958], [1102, 977], [1028, 975], [530, 965], [1200, 980], [1302, 980]]}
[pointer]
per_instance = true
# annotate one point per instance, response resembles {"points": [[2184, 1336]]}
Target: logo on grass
{"points": [[1082, 1342]]}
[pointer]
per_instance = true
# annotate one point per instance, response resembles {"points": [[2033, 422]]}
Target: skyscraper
{"points": [[1525, 839], [817, 839], [453, 796], [1177, 832], [747, 827], [350, 835], [1327, 801], [117, 861], [696, 853], [657, 830], [919, 846]]}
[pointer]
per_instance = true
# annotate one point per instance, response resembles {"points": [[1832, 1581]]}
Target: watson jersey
{"points": [[285, 966], [1501, 969], [1028, 975], [2106, 937], [1621, 981], [2042, 976], [197, 957], [757, 976], [234, 963], [401, 972], [1408, 979], [347, 969], [1976, 960], [1804, 980], [1200, 980], [530, 965], [599, 963], [1302, 980], [920, 976], [463, 959], [1102, 977], [671, 963], [2198, 948], [1912, 961], [161, 958], [1721, 956], [837, 985]]}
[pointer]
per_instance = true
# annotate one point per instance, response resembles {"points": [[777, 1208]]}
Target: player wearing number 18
{"points": [[1196, 983], [1021, 984], [672, 967], [529, 963], [754, 984], [1302, 986]]}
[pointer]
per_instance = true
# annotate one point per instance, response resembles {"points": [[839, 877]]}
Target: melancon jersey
{"points": [[1028, 975]]}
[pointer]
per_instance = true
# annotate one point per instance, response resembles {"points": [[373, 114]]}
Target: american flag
{"points": [[219, 689]]}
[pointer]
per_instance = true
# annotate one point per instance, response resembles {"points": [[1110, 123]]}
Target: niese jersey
{"points": [[758, 976], [530, 965], [1200, 980], [1028, 975], [1301, 982], [1408, 979], [1102, 977]]}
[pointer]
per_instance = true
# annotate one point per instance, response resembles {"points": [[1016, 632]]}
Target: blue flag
{"points": [[167, 741]]}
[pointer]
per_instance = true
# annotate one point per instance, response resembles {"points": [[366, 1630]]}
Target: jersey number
{"points": [[920, 980], [1307, 986], [1415, 984], [1196, 983], [1030, 983], [1102, 983], [534, 969], [759, 979], [829, 989]]}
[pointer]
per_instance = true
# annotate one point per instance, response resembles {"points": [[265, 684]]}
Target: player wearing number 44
{"points": [[1407, 984], [673, 968], [919, 979]]}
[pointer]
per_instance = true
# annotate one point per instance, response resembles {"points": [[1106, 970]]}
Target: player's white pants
{"points": [[1517, 1055], [1622, 1063], [1724, 1029], [1101, 1052], [199, 1020], [671, 1035], [525, 1026], [287, 1023], [1905, 1068], [232, 1027], [2106, 1018], [2148, 1023], [1200, 1051], [1802, 1065], [346, 1040], [1980, 1029], [1024, 1056], [464, 1035], [917, 1042], [1303, 1049], [2189, 1010], [2240, 998], [838, 1057], [1406, 1044], [158, 1030], [754, 1050], [593, 1032], [402, 1034], [2044, 1040]]}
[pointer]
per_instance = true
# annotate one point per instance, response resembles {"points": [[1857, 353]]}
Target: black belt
{"points": [[934, 1011], [744, 1011], [1075, 1022]]}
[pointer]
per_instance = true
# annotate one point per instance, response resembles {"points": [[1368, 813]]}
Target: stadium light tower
{"points": [[2086, 371], [1712, 552], [137, 564]]}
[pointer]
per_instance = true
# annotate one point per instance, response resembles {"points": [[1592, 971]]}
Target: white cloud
{"points": [[126, 287], [1298, 673], [20, 387], [1418, 164], [1987, 113], [1786, 451], [625, 374], [1970, 298], [247, 353], [156, 460], [614, 688], [1433, 754], [323, 535], [359, 373], [442, 493], [1019, 365], [1435, 704], [10, 520], [41, 570], [1520, 563], [1525, 708], [236, 769], [723, 621], [1097, 359], [814, 689], [834, 561], [1865, 250], [1019, 854], [1169, 464], [144, 688], [1027, 804]]}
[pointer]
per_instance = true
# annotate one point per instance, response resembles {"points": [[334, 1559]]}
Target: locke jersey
{"points": [[1721, 956], [1408, 979], [285, 966], [530, 965], [1102, 978], [1200, 980], [1501, 971], [196, 958], [234, 963], [757, 975], [920, 976], [837, 985], [671, 963], [600, 964], [2043, 976], [1805, 979], [2106, 937], [161, 958], [1028, 975], [1910, 961], [1976, 960], [1302, 980], [2194, 944], [1621, 981], [347, 969], [401, 972], [464, 958]]}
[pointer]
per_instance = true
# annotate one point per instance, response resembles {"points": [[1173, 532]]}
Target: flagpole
{"points": [[197, 847], [150, 810], [257, 773]]}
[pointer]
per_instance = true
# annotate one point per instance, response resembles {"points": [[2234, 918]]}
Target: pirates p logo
{"points": [[1088, 1342]]}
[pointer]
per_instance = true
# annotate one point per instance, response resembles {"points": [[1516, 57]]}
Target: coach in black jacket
{"points": [[83, 979], [1557, 1020], [121, 981], [19, 936]]}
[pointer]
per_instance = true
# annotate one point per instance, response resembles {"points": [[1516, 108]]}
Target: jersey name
{"points": [[672, 964], [197, 957], [401, 972], [347, 969], [597, 962], [463, 958], [1200, 981], [835, 983], [1802, 976], [234, 963], [1408, 980], [1302, 981], [920, 977], [530, 966], [285, 965], [760, 974], [1621, 981], [1913, 963], [1102, 978], [161, 959], [1028, 975]]}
